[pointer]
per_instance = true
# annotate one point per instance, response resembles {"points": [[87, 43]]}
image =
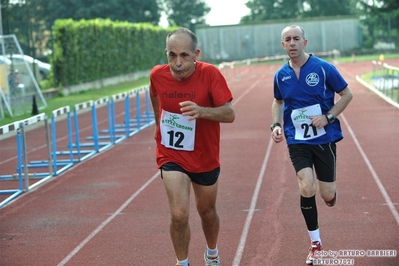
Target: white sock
{"points": [[183, 262], [211, 252], [315, 236]]}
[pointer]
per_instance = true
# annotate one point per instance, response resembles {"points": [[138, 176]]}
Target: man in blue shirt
{"points": [[304, 98]]}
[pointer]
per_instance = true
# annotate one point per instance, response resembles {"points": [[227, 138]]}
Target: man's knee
{"points": [[327, 190], [307, 185], [208, 213], [179, 217]]}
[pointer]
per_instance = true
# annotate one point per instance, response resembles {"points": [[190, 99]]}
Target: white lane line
{"points": [[244, 235], [373, 173], [103, 224], [235, 101]]}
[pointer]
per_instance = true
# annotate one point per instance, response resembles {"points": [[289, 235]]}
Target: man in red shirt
{"points": [[190, 99]]}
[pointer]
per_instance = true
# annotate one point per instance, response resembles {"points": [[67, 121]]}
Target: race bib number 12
{"points": [[177, 132], [304, 129]]}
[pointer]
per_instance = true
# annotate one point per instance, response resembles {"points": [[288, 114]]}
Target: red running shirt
{"points": [[207, 88]]}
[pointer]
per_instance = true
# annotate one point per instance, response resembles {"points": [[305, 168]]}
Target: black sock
{"points": [[309, 211]]}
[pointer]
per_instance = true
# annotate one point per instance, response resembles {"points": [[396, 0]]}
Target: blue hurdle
{"points": [[100, 146], [24, 165], [133, 123], [57, 163], [14, 190], [83, 150]]}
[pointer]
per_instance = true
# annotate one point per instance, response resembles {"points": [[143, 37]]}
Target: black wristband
{"points": [[275, 125]]}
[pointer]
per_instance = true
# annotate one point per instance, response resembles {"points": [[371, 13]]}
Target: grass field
{"points": [[71, 100]]}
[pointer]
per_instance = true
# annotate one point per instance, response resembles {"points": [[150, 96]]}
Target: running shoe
{"points": [[315, 247], [332, 202], [178, 264], [211, 261]]}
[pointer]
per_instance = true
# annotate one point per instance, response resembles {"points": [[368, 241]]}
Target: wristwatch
{"points": [[275, 125], [330, 118]]}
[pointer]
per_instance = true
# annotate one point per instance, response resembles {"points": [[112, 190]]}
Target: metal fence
{"points": [[386, 80], [238, 42]]}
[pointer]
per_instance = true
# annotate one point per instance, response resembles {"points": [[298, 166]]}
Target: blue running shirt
{"points": [[313, 94]]}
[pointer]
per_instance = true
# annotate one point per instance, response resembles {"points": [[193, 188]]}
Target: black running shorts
{"points": [[204, 179], [320, 157]]}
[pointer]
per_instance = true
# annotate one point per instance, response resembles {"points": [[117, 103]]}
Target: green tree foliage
{"points": [[261, 10], [121, 10], [185, 13], [318, 8], [380, 20], [32, 20]]}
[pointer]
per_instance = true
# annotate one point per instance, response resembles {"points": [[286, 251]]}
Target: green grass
{"points": [[84, 96], [367, 58]]}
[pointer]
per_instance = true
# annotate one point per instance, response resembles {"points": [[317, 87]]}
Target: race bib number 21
{"points": [[177, 132], [304, 129]]}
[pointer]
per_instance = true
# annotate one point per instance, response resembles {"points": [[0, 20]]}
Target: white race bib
{"points": [[177, 132], [304, 129]]}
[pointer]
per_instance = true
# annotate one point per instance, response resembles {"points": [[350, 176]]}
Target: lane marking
{"points": [[103, 224], [251, 211], [373, 173]]}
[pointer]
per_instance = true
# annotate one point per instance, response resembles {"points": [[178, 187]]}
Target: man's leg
{"points": [[328, 191], [205, 199], [177, 185], [307, 189]]}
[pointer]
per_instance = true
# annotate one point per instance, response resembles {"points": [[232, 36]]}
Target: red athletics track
{"points": [[112, 209]]}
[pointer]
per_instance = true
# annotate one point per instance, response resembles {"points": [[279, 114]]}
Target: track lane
{"points": [[65, 211]]}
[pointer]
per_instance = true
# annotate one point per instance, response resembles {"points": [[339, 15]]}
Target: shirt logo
{"points": [[178, 95], [285, 78], [312, 79]]}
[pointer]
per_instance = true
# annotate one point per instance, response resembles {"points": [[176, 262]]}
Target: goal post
{"points": [[18, 81]]}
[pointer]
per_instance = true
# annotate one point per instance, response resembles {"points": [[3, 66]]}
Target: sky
{"points": [[226, 12], [223, 12]]}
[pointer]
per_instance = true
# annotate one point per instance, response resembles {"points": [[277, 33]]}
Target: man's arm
{"points": [[155, 108], [224, 113], [277, 117], [342, 103], [322, 120]]}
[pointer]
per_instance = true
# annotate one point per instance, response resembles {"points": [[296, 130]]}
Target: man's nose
{"points": [[178, 61]]}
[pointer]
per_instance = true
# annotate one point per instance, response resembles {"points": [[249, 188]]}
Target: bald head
{"points": [[293, 27], [187, 32]]}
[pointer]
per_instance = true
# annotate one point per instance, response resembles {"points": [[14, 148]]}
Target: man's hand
{"points": [[191, 109], [319, 121], [277, 134]]}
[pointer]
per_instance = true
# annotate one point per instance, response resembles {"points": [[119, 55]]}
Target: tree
{"points": [[261, 10], [122, 10], [380, 20], [31, 20], [185, 13], [319, 8]]}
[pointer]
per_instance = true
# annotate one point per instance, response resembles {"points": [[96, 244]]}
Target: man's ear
{"points": [[197, 53]]}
